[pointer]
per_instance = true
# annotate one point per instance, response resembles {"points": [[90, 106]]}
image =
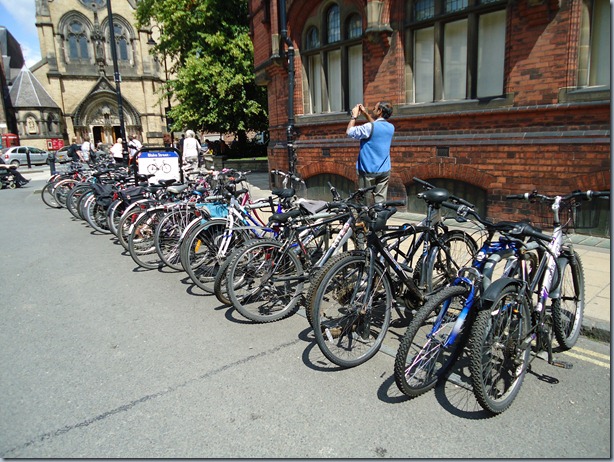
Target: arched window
{"points": [[77, 41], [121, 41], [594, 44], [333, 25], [332, 59]]}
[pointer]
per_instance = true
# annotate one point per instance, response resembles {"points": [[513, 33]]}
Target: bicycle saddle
{"points": [[284, 193], [177, 189], [284, 217], [435, 195]]}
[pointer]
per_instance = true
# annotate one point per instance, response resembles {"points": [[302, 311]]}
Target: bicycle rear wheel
{"points": [[350, 323], [432, 342], [48, 197], [200, 253], [62, 189], [265, 281], [168, 234], [499, 352], [96, 216], [568, 307], [141, 243], [443, 266]]}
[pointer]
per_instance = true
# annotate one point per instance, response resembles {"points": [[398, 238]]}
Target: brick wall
{"points": [[535, 140]]}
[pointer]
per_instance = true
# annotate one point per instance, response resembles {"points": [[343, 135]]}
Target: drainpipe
{"points": [[290, 55]]}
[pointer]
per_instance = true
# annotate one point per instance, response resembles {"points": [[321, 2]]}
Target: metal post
{"points": [[120, 104], [290, 54]]}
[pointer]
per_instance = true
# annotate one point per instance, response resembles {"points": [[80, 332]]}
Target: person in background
{"points": [[86, 148], [74, 152], [191, 148], [134, 145], [373, 164], [19, 178], [117, 151]]}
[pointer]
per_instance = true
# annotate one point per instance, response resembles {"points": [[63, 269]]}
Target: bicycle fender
{"points": [[492, 292], [561, 263]]}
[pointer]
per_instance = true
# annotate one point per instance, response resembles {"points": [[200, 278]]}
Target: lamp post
{"points": [[152, 42], [118, 79]]}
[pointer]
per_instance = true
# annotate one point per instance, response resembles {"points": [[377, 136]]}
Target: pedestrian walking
{"points": [[373, 164], [191, 148], [117, 151], [134, 145], [86, 148]]}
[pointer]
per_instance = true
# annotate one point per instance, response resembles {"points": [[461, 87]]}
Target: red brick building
{"points": [[491, 97]]}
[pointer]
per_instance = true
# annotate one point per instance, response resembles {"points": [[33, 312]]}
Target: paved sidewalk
{"points": [[595, 254]]}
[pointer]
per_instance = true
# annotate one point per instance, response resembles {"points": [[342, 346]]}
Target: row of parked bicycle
{"points": [[501, 289]]}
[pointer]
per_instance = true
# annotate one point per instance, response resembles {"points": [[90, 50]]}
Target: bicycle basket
{"points": [[571, 216]]}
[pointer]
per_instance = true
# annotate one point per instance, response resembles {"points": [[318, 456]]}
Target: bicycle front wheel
{"points": [[568, 307], [141, 243], [499, 351], [432, 341], [351, 311], [200, 253], [48, 197], [265, 281]]}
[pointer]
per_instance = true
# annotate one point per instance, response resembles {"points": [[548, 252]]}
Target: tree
{"points": [[208, 42]]}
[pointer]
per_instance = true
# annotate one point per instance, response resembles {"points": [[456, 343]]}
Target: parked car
{"points": [[61, 155], [17, 155]]}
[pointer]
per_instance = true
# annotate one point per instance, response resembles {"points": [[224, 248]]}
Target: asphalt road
{"points": [[101, 359]]}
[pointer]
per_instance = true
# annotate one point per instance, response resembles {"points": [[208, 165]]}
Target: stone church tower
{"points": [[77, 70]]}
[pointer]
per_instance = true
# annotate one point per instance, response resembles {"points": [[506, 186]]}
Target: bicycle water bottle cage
{"points": [[434, 196], [286, 193]]}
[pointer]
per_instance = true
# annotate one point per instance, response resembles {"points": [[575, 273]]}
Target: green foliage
{"points": [[208, 42]]}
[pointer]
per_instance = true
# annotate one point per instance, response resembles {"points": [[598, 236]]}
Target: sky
{"points": [[18, 16]]}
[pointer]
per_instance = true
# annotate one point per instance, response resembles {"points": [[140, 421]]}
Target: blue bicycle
{"points": [[439, 330]]}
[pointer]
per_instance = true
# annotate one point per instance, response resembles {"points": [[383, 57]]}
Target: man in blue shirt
{"points": [[373, 164]]}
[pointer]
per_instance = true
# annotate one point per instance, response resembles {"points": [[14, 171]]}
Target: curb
{"points": [[596, 329]]}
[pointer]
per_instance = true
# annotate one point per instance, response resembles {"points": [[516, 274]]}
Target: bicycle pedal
{"points": [[562, 364]]}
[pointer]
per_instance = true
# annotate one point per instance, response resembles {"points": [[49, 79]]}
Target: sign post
{"points": [[162, 163]]}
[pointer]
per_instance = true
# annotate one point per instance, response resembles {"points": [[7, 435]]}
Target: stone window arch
{"points": [[332, 59], [75, 30], [124, 41]]}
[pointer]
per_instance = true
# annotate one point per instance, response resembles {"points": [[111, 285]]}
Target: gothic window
{"points": [[455, 51], [121, 42], [594, 45], [77, 41], [332, 59]]}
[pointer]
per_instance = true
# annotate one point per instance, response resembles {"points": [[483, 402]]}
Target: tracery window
{"points": [[332, 59]]}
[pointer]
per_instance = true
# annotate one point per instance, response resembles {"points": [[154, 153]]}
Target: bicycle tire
{"points": [[316, 278], [350, 325], [141, 243], [72, 199], [62, 189], [83, 201], [221, 280], [47, 196], [498, 359], [568, 307], [200, 257], [168, 235], [114, 214], [96, 217], [265, 280], [423, 358], [442, 270], [128, 218]]}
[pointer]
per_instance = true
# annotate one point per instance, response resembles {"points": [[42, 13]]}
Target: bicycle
{"points": [[515, 316], [155, 168], [438, 332], [352, 298], [266, 278]]}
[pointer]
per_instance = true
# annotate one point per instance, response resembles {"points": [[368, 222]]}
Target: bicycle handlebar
{"points": [[583, 195]]}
